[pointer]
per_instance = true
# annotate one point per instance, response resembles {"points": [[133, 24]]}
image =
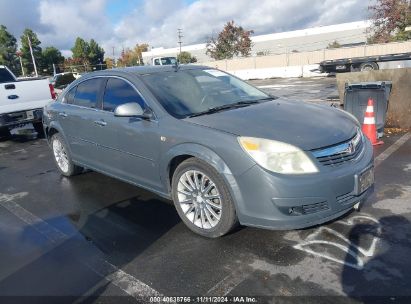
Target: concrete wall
{"points": [[306, 58], [294, 64], [399, 109]]}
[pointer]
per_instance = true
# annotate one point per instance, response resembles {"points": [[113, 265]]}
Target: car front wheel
{"points": [[202, 199], [62, 157]]}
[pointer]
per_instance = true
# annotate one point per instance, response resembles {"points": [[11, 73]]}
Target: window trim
{"points": [[98, 96], [132, 87], [63, 99], [154, 118]]}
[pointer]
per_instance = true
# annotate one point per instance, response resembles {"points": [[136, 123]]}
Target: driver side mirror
{"points": [[132, 109]]}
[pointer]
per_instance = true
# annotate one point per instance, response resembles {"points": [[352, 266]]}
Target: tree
{"points": [[25, 50], [186, 57], [8, 50], [389, 20], [109, 62], [231, 41], [132, 57], [127, 58], [81, 51], [334, 45], [95, 53], [51, 56]]}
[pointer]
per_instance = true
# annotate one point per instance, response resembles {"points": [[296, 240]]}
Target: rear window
{"points": [[5, 76], [87, 93]]}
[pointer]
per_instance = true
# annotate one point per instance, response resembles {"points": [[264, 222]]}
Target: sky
{"points": [[124, 23]]}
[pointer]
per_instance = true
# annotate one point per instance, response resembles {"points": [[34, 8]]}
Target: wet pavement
{"points": [[91, 238], [316, 89]]}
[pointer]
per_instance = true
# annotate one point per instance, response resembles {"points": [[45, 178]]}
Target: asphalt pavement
{"points": [[91, 238]]}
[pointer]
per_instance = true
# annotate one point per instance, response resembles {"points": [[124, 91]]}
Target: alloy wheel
{"points": [[60, 155], [199, 199]]}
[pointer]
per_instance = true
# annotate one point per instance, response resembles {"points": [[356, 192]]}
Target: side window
{"points": [[69, 97], [87, 93], [5, 76], [119, 92], [157, 61]]}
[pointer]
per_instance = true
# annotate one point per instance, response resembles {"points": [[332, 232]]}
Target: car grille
{"points": [[312, 208], [341, 153], [342, 199]]}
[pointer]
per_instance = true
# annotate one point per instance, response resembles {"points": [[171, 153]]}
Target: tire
{"points": [[62, 157], [38, 127], [368, 66], [202, 211], [5, 133]]}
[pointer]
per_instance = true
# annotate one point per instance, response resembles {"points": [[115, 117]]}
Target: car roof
{"points": [[149, 69]]}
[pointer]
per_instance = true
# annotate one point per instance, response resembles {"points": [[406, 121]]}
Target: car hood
{"points": [[305, 125]]}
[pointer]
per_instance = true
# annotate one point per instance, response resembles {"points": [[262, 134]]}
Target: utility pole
{"points": [[32, 56], [180, 35], [18, 53], [114, 59]]}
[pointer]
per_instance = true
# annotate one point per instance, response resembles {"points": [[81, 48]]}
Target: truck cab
{"points": [[164, 61]]}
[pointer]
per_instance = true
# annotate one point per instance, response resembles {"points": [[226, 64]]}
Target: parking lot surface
{"points": [[317, 90], [95, 236]]}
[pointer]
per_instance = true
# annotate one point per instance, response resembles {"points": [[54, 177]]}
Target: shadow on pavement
{"points": [[385, 277]]}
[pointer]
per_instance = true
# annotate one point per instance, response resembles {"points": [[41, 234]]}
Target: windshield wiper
{"points": [[235, 105]]}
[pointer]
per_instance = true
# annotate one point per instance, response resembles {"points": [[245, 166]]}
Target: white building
{"points": [[309, 39]]}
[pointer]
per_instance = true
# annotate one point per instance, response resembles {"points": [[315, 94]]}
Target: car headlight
{"points": [[277, 156]]}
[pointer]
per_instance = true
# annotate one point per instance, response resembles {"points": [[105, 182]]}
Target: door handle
{"points": [[100, 123], [9, 86], [13, 96], [62, 114]]}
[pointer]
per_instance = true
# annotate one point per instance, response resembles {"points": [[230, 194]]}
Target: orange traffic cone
{"points": [[369, 128]]}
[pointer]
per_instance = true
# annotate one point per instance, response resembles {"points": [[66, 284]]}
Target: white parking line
{"points": [[391, 149], [126, 282], [281, 86], [226, 285]]}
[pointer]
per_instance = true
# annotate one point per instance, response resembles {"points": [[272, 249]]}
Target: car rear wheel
{"points": [[62, 157], [202, 199]]}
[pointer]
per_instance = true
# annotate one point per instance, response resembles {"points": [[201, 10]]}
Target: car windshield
{"points": [[188, 92]]}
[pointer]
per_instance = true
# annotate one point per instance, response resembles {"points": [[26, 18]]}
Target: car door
{"points": [[78, 119], [128, 146]]}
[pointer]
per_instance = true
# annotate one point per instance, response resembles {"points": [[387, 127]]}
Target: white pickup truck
{"points": [[22, 101]]}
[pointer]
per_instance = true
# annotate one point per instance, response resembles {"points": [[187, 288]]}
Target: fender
{"points": [[195, 150], [55, 125], [209, 156]]}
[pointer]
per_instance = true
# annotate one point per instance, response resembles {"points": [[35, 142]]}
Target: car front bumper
{"points": [[275, 201]]}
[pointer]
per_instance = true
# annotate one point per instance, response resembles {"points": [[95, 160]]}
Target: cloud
{"points": [[18, 15], [204, 18], [75, 18], [59, 22]]}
